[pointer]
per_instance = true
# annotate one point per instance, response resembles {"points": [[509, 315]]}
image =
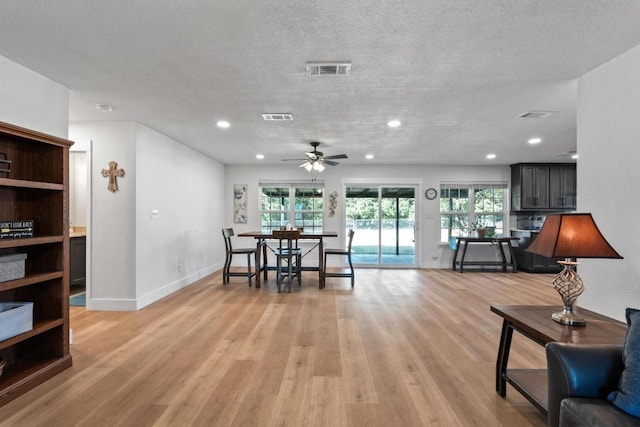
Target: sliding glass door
{"points": [[383, 218]]}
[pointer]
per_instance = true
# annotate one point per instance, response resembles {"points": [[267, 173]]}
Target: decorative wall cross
{"points": [[113, 172]]}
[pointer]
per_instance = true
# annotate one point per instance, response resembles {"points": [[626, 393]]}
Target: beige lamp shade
{"points": [[574, 235]]}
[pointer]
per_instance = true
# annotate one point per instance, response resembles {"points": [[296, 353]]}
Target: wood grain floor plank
{"points": [[223, 403], [327, 357], [193, 392], [326, 408], [358, 385], [295, 396]]}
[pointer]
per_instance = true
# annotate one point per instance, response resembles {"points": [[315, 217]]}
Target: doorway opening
{"points": [[383, 218], [79, 214]]}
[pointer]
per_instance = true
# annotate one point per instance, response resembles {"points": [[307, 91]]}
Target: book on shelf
{"points": [[16, 229]]}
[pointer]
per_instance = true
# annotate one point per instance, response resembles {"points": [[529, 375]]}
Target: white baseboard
{"points": [[112, 304]]}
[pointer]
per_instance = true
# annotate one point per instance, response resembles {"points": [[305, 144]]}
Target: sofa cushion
{"points": [[580, 412], [627, 397]]}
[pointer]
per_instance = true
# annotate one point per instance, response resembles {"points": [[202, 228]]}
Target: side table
{"points": [[499, 241], [535, 323]]}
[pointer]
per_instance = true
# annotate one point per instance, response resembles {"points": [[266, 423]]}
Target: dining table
{"points": [[261, 238]]}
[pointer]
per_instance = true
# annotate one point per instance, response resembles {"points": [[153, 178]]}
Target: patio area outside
{"points": [[397, 242]]}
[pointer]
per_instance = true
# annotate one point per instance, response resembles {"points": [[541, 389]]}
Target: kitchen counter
{"points": [[77, 231]]}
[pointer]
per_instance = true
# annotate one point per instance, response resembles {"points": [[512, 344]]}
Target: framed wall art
{"points": [[240, 203]]}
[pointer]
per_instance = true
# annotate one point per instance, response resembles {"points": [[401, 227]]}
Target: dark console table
{"points": [[535, 323], [500, 242]]}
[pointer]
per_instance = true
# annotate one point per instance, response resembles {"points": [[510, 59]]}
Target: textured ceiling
{"points": [[455, 72]]}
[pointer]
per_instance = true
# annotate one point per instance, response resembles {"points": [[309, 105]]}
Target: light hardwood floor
{"points": [[403, 348]]}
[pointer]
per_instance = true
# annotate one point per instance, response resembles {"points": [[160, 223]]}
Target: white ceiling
{"points": [[455, 72]]}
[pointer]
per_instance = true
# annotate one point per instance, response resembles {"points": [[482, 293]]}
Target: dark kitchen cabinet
{"points": [[562, 187], [78, 261], [534, 187], [531, 262], [543, 187]]}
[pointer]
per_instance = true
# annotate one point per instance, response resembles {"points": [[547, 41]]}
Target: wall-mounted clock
{"points": [[431, 193]]}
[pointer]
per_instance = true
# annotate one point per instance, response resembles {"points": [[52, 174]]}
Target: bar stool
{"points": [[230, 251], [341, 252], [288, 252]]}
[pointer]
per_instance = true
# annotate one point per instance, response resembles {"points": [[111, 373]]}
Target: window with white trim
{"points": [[463, 205], [295, 204]]}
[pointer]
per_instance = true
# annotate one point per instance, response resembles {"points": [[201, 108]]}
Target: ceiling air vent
{"points": [[535, 114], [277, 117], [325, 69]]}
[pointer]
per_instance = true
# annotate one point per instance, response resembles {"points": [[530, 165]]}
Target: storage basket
{"points": [[15, 319], [12, 266]]}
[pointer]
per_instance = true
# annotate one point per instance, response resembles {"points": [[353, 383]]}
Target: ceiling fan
{"points": [[316, 160]]}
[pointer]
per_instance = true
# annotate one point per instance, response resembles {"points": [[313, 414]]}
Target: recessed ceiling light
{"points": [[223, 124], [491, 156], [535, 141], [575, 156], [394, 123], [259, 156], [105, 108], [369, 156]]}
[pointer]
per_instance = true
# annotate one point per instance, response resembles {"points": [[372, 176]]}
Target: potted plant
{"points": [[478, 228], [490, 232]]}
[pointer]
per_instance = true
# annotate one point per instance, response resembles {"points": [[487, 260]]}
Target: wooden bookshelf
{"points": [[37, 188]]}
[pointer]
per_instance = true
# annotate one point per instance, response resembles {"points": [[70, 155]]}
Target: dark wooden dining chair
{"points": [[230, 252], [288, 252], [343, 253]]}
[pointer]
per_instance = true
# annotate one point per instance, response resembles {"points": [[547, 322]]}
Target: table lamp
{"points": [[570, 236]]}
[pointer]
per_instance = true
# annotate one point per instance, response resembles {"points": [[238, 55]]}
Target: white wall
{"points": [[608, 109], [134, 259], [112, 225], [78, 188], [428, 223], [32, 101], [187, 189]]}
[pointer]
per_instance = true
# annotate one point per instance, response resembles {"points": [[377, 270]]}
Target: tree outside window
{"points": [[291, 204], [457, 213]]}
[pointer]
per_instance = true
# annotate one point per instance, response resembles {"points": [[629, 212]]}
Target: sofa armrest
{"points": [[580, 370]]}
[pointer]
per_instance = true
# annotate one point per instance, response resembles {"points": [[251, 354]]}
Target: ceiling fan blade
{"points": [[337, 156], [287, 160], [330, 162]]}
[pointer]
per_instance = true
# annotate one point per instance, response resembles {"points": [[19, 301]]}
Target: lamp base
{"points": [[568, 317], [570, 286]]}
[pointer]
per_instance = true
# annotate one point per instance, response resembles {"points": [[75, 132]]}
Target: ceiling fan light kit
{"points": [[313, 166]]}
